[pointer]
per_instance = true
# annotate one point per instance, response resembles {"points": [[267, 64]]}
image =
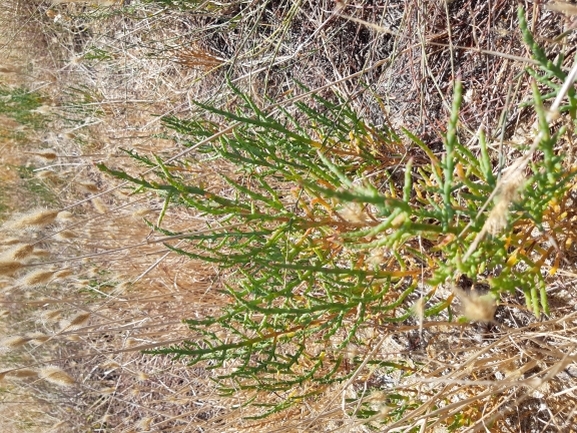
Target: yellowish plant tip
{"points": [[56, 376]]}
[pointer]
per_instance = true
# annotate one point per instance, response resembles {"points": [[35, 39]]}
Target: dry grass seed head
{"points": [[65, 216], [44, 110], [376, 257], [79, 319], [142, 376], [19, 252], [51, 316], [131, 342], [99, 205], [56, 427], [23, 373], [46, 175], [141, 212], [477, 308], [110, 364], [63, 273], [105, 418], [65, 235], [497, 219], [144, 424], [37, 278], [508, 194], [354, 213], [511, 187], [9, 267], [36, 219], [122, 288], [419, 312], [10, 241], [75, 322], [12, 343], [41, 253], [107, 390], [48, 154], [88, 186], [38, 338], [56, 376]]}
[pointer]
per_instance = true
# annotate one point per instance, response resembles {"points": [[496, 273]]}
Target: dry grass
{"points": [[86, 286]]}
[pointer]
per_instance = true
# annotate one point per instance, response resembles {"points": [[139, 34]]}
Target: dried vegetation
{"points": [[86, 285]]}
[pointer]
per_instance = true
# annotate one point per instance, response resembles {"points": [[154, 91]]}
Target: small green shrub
{"points": [[332, 227], [22, 105]]}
